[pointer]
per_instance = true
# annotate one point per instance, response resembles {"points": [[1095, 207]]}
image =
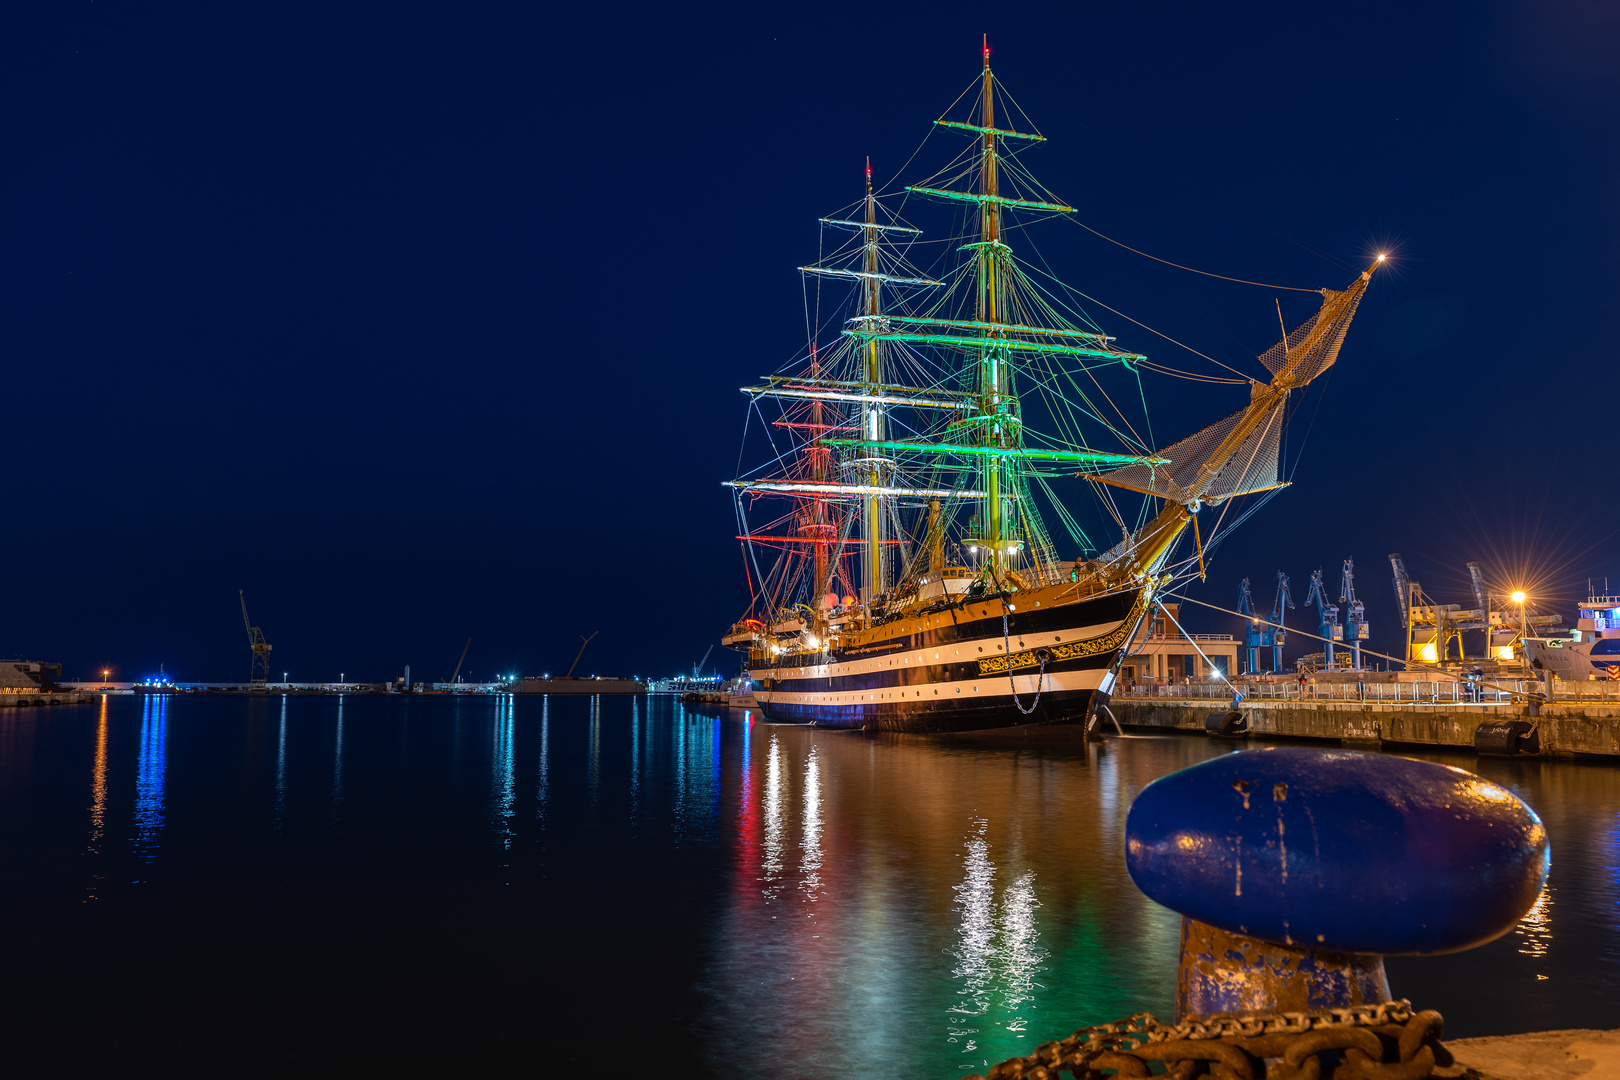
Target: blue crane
{"points": [[1330, 630], [1254, 635], [1355, 615], [1278, 635]]}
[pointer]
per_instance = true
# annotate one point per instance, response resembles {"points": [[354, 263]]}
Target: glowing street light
{"points": [[1518, 597]]}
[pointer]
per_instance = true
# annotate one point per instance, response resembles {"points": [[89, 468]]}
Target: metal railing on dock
{"points": [[1438, 692]]}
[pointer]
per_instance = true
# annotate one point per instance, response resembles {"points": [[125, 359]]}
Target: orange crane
{"points": [[259, 674], [586, 641], [457, 675]]}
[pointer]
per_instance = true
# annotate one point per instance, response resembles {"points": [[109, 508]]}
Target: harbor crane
{"points": [[464, 649], [1254, 636], [1330, 630], [1482, 601], [1283, 603], [259, 673], [1432, 627], [697, 667], [584, 641], [1355, 615]]}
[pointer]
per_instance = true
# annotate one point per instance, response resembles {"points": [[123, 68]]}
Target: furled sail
{"points": [[1194, 472], [1241, 454], [1313, 345]]}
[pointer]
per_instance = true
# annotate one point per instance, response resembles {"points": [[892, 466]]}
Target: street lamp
{"points": [[1518, 598]]}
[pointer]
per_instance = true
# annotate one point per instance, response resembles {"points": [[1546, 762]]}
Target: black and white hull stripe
{"points": [[955, 671]]}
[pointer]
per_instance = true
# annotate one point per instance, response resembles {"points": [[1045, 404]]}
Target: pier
{"points": [[1439, 713], [16, 698]]}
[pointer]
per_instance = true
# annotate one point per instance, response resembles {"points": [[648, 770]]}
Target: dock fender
{"points": [[1507, 738], [1228, 723]]}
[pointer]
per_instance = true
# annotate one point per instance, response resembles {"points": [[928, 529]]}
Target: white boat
{"points": [[1593, 653]]}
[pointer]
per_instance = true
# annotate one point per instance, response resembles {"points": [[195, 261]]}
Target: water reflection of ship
{"points": [[976, 901], [908, 546]]}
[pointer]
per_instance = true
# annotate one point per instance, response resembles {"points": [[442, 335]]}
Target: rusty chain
{"points": [[1388, 1041]]}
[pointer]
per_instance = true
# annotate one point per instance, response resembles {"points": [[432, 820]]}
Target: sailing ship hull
{"points": [[957, 670]]}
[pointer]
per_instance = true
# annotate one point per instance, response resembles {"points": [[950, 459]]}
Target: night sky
{"points": [[426, 322]]}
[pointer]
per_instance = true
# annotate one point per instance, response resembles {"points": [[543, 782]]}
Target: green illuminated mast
{"points": [[916, 458], [873, 425], [901, 470], [998, 423]]}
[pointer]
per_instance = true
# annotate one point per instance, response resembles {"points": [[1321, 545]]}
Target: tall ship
{"points": [[895, 533]]}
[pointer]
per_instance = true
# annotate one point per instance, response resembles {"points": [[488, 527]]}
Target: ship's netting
{"points": [[1249, 466], [1314, 343]]}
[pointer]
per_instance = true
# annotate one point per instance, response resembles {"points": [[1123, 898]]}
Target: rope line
{"points": [[1189, 269]]}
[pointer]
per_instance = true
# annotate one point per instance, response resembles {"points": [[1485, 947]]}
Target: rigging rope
{"points": [[1166, 337], [1189, 269]]}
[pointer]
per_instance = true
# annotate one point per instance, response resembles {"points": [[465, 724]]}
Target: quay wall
{"points": [[1574, 729], [18, 699]]}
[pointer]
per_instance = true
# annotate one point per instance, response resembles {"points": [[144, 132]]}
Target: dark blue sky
{"points": [[427, 322]]}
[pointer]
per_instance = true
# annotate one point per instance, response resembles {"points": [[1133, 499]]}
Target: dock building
{"points": [[1162, 651]]}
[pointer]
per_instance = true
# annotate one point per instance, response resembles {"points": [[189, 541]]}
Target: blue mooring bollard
{"points": [[1297, 870]]}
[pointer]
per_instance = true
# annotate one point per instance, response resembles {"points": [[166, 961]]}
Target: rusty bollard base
{"points": [[1226, 974]]}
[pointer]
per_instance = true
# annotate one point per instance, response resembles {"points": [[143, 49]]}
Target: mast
{"points": [[993, 361], [873, 427], [820, 455], [964, 421]]}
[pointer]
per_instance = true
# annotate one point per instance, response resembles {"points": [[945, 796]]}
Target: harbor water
{"points": [[276, 886]]}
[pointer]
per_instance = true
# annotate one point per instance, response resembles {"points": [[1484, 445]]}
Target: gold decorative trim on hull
{"points": [[1074, 650]]}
